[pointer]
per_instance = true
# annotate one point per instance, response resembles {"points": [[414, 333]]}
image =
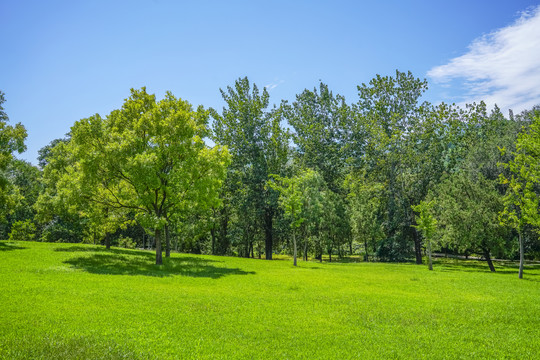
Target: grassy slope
{"points": [[80, 302]]}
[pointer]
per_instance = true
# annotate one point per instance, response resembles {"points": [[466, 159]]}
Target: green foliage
{"points": [[83, 302], [259, 146], [323, 125], [11, 140], [22, 231], [468, 211], [149, 158], [126, 242], [296, 197], [521, 199], [365, 202]]}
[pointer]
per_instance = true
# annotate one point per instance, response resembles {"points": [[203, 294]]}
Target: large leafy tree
{"points": [[467, 207], [522, 202], [58, 207], [259, 147], [365, 199], [11, 140], [293, 192], [427, 224], [148, 157], [24, 181], [389, 108], [325, 134]]}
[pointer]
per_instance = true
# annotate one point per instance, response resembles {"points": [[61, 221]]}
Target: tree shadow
{"points": [[103, 249], [500, 268], [133, 262], [4, 246]]}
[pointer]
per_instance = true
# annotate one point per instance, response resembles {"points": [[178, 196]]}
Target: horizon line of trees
{"points": [[388, 177]]}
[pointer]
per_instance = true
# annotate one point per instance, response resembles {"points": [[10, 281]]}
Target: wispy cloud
{"points": [[500, 68], [274, 85]]}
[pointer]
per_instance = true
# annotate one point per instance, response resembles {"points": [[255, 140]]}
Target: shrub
{"points": [[22, 231], [126, 242]]}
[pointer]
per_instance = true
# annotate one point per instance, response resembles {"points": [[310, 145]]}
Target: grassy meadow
{"points": [[72, 301]]}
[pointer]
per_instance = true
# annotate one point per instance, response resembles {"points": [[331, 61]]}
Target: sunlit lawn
{"points": [[69, 301]]}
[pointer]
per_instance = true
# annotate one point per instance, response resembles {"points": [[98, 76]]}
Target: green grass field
{"points": [[70, 301]]}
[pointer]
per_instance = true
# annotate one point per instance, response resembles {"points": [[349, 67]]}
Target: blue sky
{"points": [[65, 60]]}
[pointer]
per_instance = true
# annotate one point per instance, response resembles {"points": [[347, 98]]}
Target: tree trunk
{"points": [[521, 255], [108, 241], [167, 242], [488, 259], [417, 247], [294, 242], [213, 234], [305, 248], [350, 248], [268, 240], [366, 256], [159, 256], [430, 263]]}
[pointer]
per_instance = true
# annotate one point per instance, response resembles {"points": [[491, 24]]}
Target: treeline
{"points": [[385, 177]]}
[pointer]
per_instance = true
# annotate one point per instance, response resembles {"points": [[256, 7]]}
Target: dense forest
{"points": [[386, 178]]}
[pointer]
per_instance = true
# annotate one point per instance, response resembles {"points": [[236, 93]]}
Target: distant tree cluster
{"points": [[388, 178]]}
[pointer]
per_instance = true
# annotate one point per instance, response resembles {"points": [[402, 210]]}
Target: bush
{"points": [[22, 231], [126, 242]]}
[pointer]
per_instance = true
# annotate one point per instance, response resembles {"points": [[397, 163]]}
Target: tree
{"points": [[467, 207], [22, 231], [427, 224], [291, 198], [365, 198], [334, 222], [389, 109], [11, 140], [324, 133], [148, 157], [521, 199], [24, 188], [259, 147]]}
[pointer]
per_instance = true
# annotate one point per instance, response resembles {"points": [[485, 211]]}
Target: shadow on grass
{"points": [[136, 262], [500, 268], [103, 249], [10, 247]]}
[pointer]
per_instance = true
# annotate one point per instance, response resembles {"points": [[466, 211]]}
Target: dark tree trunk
{"points": [[213, 234], [366, 256], [246, 249], [294, 242], [268, 239], [159, 256], [223, 245], [521, 255], [430, 263], [417, 246], [108, 241], [488, 259], [167, 242], [350, 248]]}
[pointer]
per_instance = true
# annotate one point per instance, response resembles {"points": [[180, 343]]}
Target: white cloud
{"points": [[274, 85], [502, 67]]}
